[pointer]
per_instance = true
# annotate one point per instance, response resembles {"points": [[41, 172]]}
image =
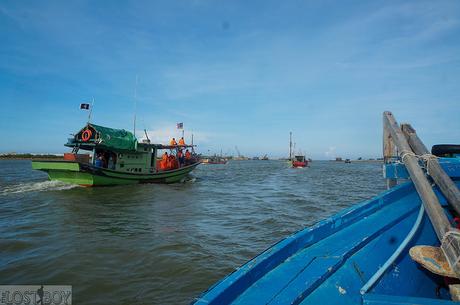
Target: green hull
{"points": [[88, 175]]}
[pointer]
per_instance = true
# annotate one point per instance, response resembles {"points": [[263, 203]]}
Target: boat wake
{"points": [[37, 187], [188, 180]]}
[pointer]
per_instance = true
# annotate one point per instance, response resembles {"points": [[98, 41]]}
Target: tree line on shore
{"points": [[30, 156]]}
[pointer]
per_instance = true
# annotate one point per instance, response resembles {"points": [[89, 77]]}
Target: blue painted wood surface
{"points": [[330, 262], [398, 170]]}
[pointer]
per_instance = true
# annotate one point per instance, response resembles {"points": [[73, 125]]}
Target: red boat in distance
{"points": [[299, 161]]}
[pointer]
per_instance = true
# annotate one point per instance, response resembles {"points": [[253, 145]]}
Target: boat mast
{"points": [[193, 150], [90, 111], [146, 135], [135, 106], [290, 145]]}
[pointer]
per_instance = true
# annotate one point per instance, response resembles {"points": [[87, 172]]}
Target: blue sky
{"points": [[237, 73]]}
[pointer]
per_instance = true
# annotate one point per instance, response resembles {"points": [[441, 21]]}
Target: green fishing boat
{"points": [[114, 156]]}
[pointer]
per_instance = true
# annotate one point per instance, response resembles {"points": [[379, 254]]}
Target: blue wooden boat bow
{"points": [[359, 256]]}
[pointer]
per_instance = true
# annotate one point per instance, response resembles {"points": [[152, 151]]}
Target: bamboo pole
{"points": [[445, 183], [448, 236], [388, 151], [430, 201]]}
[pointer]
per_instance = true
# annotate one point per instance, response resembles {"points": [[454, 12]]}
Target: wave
{"points": [[37, 187]]}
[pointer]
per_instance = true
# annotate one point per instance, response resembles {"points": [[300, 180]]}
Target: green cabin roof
{"points": [[105, 137], [118, 139]]}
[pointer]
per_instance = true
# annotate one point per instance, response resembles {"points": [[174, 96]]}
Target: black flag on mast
{"points": [[84, 106]]}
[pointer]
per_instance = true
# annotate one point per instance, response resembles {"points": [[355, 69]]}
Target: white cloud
{"points": [[331, 152]]}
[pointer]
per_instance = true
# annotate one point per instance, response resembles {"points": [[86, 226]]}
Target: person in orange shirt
{"points": [[175, 162], [182, 141], [164, 161], [188, 157], [169, 162], [173, 142]]}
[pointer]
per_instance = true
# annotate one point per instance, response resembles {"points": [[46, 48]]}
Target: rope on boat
{"points": [[426, 158], [371, 282], [406, 153]]}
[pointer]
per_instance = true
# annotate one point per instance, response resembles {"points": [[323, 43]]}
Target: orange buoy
{"points": [[86, 135]]}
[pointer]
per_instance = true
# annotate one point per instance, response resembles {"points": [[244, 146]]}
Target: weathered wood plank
{"points": [[388, 153]]}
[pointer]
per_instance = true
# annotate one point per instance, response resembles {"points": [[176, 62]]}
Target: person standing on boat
{"points": [[99, 161], [173, 142], [112, 161], [188, 157], [182, 141], [164, 161], [180, 156]]}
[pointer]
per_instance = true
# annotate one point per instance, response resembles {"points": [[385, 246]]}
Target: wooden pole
{"points": [[388, 153], [430, 201], [445, 183]]}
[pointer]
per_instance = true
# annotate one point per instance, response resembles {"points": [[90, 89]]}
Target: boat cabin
{"points": [[118, 150], [299, 158]]}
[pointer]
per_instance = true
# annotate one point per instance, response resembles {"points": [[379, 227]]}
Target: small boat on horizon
{"points": [[298, 161], [116, 157], [214, 160]]}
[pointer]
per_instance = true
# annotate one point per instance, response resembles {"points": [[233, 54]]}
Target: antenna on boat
{"points": [[90, 110], [135, 106], [145, 131], [193, 150]]}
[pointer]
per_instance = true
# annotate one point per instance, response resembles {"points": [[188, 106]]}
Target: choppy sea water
{"points": [[163, 244]]}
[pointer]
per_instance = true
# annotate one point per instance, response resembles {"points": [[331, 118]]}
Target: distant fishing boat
{"points": [[115, 157], [298, 161], [214, 160], [386, 250]]}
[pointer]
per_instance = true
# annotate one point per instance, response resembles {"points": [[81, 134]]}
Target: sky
{"points": [[236, 73]]}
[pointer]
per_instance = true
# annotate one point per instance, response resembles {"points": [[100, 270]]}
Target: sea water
{"points": [[163, 244]]}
